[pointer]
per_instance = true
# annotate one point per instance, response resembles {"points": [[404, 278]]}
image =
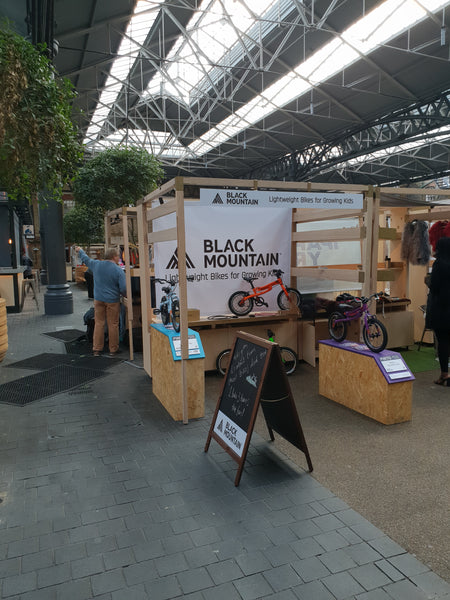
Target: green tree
{"points": [[117, 177], [84, 226], [39, 147]]}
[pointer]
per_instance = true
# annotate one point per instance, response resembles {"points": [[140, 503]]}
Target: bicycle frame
{"points": [[170, 295], [353, 314], [263, 289]]}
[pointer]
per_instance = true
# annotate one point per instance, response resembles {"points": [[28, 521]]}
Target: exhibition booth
{"points": [[218, 233]]}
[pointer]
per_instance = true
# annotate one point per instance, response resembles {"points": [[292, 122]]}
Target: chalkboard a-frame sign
{"points": [[255, 377]]}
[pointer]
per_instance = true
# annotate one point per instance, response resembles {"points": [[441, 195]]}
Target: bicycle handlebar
{"points": [[367, 299]]}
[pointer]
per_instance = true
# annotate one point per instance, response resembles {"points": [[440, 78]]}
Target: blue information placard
{"points": [[194, 342]]}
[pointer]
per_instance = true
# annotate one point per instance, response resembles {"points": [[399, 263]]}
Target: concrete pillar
{"points": [[58, 299]]}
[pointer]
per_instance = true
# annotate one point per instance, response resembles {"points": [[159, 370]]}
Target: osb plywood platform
{"points": [[167, 381], [356, 381]]}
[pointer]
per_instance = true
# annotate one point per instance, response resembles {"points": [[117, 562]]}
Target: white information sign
{"points": [[270, 199], [400, 375], [192, 345], [392, 364], [230, 433]]}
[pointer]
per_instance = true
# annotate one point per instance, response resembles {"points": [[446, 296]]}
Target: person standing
{"points": [[438, 306], [110, 283]]}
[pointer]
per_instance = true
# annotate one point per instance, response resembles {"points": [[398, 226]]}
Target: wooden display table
{"points": [[219, 334], [167, 381], [376, 385]]}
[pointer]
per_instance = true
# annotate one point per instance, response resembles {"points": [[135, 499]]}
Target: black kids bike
{"points": [[288, 357]]}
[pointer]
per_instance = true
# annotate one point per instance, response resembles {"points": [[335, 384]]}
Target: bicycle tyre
{"points": [[238, 309], [223, 360], [338, 331], [289, 359], [176, 315], [376, 332], [165, 317], [295, 299]]}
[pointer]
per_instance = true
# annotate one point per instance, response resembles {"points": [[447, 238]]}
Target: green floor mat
{"points": [[421, 360]]}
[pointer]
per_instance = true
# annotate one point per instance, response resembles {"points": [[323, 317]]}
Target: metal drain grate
{"points": [[44, 361], [49, 360], [66, 335], [82, 346], [47, 383]]}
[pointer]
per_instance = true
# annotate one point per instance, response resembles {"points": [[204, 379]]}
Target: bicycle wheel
{"points": [[238, 305], [295, 299], [223, 360], [289, 359], [338, 331], [165, 318], [375, 336], [176, 315]]}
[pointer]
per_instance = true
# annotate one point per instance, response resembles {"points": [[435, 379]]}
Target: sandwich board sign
{"points": [[255, 377]]}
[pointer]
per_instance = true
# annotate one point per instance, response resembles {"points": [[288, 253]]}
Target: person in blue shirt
{"points": [[110, 284]]}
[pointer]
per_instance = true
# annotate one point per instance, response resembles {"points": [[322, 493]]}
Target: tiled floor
{"points": [[104, 496]]}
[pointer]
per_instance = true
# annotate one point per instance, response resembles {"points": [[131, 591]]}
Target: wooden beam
{"points": [[326, 274], [330, 235], [413, 191], [161, 191], [274, 185], [169, 206], [307, 215], [432, 214], [166, 235]]}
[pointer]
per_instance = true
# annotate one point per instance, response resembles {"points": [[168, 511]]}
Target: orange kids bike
{"points": [[241, 303]]}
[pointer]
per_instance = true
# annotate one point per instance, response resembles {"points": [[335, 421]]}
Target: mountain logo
{"points": [[217, 200], [173, 262], [220, 426]]}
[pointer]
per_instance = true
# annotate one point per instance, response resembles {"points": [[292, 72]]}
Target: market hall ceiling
{"points": [[339, 91]]}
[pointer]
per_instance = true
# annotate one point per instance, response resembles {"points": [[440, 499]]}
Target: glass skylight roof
{"points": [[217, 32]]}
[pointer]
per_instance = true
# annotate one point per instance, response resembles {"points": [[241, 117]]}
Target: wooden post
{"points": [[126, 254], [107, 230], [144, 264], [370, 246], [181, 237]]}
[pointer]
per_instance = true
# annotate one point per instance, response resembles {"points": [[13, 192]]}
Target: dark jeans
{"points": [[90, 283], [443, 348]]}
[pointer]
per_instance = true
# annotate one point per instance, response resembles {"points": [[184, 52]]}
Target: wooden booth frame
{"points": [[170, 199], [122, 217]]}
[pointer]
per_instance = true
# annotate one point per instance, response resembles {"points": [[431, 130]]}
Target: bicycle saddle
{"points": [[249, 279], [343, 306]]}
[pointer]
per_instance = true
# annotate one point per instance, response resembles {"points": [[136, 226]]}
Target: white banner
{"points": [[230, 433], [221, 247], [269, 199]]}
